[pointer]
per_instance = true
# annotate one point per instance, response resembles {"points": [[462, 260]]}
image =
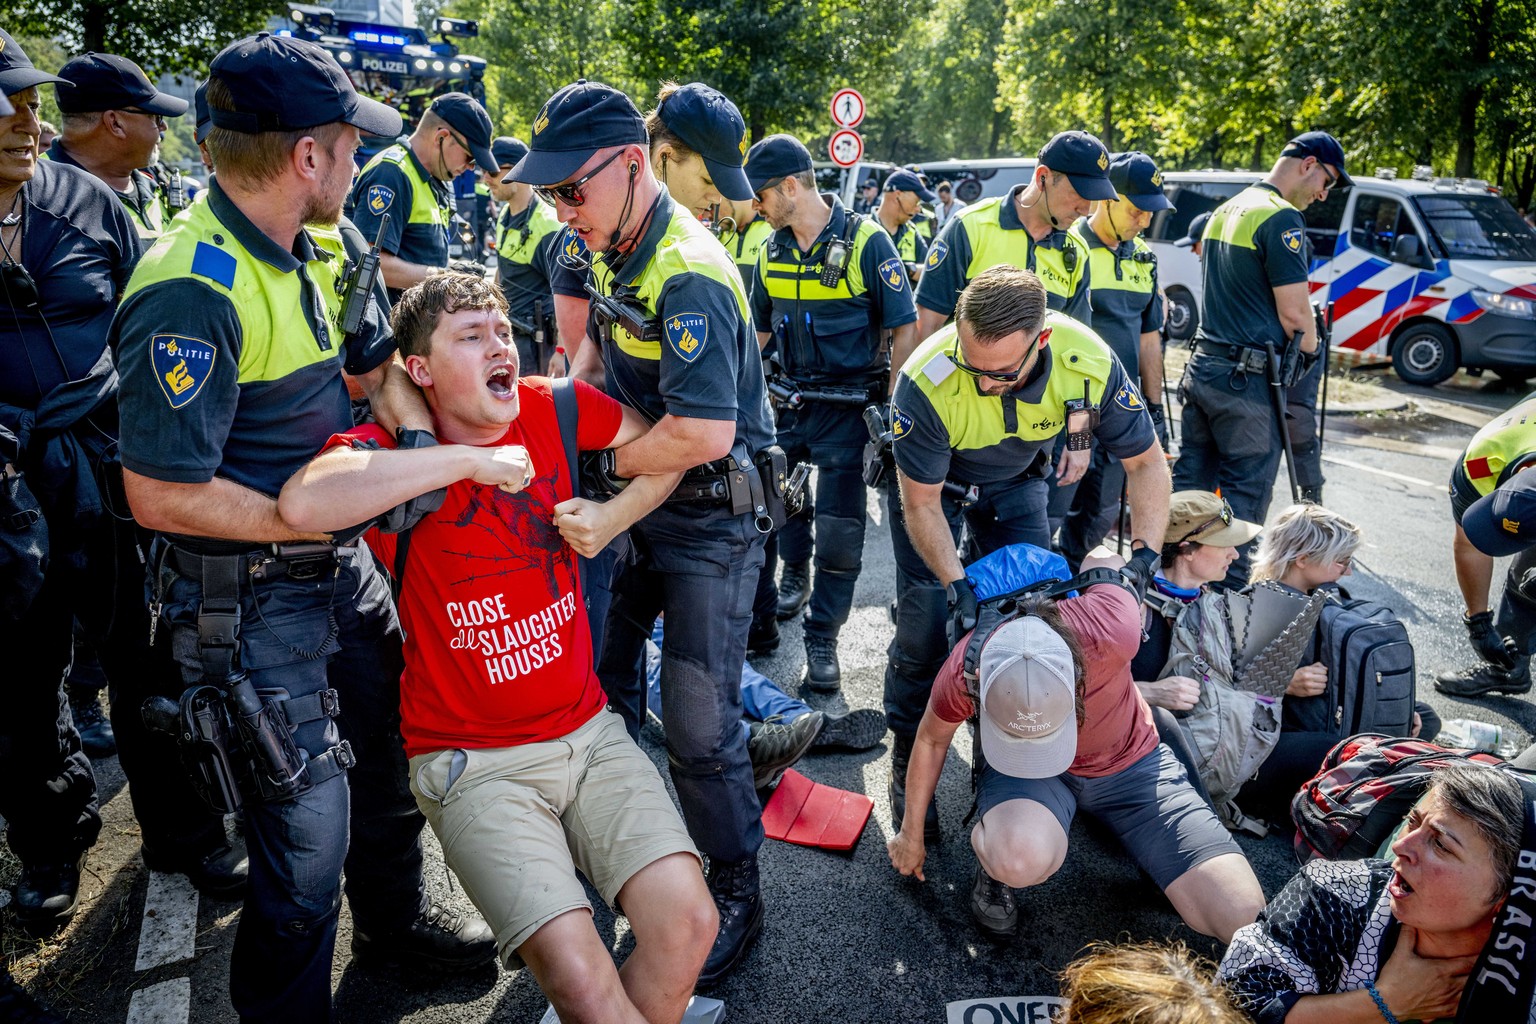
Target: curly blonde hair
{"points": [[1144, 984]]}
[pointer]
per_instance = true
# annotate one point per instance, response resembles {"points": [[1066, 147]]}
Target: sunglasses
{"points": [[1333, 179], [159, 119], [1225, 518], [1001, 376], [768, 186], [570, 193]]}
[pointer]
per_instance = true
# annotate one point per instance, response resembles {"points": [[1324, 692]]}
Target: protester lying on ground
{"points": [[514, 760], [1366, 941], [1047, 755], [1144, 984]]}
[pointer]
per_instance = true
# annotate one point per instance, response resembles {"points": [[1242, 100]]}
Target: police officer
{"points": [[831, 330], [526, 231], [113, 121], [413, 183], [231, 358], [1128, 316], [695, 373], [1026, 228], [902, 200], [979, 405], [1491, 501], [1255, 283], [868, 197], [1194, 240]]}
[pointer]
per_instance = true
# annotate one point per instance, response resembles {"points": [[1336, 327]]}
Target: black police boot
{"points": [[822, 672], [739, 900], [794, 589], [901, 753], [441, 938], [1312, 495], [219, 874], [47, 895], [1483, 678], [993, 907], [18, 1007], [763, 637], [860, 729], [96, 736], [775, 747]]}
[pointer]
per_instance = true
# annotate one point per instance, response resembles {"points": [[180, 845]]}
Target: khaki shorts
{"points": [[516, 823]]}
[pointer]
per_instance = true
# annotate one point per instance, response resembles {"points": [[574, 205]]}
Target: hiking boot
{"points": [[775, 747], [862, 729], [822, 672], [441, 938], [901, 753], [18, 1007], [47, 895], [219, 874], [96, 736], [739, 900], [794, 589], [993, 907], [763, 636], [1483, 678]]}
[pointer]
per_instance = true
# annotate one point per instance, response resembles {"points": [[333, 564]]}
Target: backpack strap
{"points": [[563, 390]]}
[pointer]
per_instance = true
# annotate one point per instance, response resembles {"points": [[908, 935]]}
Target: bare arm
{"points": [[674, 444], [631, 428], [928, 321], [762, 340], [903, 340], [220, 508], [1474, 573], [907, 849], [923, 507], [1147, 489], [589, 526], [1293, 304], [585, 361], [402, 274], [395, 399], [1152, 367]]}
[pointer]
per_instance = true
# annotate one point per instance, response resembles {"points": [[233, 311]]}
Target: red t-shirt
{"points": [[1117, 726], [497, 647]]}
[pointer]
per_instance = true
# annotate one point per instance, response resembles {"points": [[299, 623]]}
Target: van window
{"points": [[1378, 222], [1190, 199], [1478, 227], [1323, 223]]}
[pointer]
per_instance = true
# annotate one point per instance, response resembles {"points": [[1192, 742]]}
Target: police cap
{"points": [[1504, 522], [1084, 160], [6, 110], [508, 151], [1136, 177], [777, 156], [712, 127], [105, 81], [200, 112], [903, 180], [1196, 230], [16, 70], [574, 123], [464, 114], [280, 84], [1323, 146]]}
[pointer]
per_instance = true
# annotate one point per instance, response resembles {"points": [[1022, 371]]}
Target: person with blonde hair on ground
{"points": [[1144, 984]]}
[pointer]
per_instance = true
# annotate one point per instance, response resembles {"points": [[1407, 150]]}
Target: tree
{"points": [[163, 36]]}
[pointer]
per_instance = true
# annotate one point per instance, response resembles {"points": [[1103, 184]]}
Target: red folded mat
{"points": [[810, 814]]}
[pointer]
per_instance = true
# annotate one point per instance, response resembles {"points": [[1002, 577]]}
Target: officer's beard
{"points": [[320, 210]]}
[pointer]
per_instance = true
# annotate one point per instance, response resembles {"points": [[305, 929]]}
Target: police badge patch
{"points": [[182, 366], [936, 254], [1292, 239], [901, 423], [686, 333], [573, 251], [893, 274], [380, 198], [1128, 398]]}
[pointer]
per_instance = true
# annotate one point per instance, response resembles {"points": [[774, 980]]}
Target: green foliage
{"points": [[163, 36]]}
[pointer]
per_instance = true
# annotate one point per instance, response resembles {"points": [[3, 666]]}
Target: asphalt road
{"points": [[846, 938]]}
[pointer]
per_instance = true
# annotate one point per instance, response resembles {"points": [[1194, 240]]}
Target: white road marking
{"points": [[169, 1002], [169, 931], [1362, 467]]}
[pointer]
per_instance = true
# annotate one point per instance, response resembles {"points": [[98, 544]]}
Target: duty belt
{"points": [[1248, 357], [304, 560]]}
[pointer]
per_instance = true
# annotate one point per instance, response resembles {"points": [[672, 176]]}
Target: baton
{"points": [[1326, 341], [1277, 403]]}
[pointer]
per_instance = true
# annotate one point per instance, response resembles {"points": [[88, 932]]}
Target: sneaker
{"points": [[901, 753], [18, 1007], [739, 899], [1483, 678], [861, 729], [822, 672], [219, 874], [993, 907], [763, 636], [775, 747], [794, 590], [47, 895], [441, 938], [96, 736]]}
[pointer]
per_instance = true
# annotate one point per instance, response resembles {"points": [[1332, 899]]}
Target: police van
{"points": [[981, 179], [1435, 273], [846, 181]]}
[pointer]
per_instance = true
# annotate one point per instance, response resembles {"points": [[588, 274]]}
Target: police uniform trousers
{"points": [[832, 438], [1083, 514], [1008, 512], [697, 566], [1229, 440], [298, 637], [1301, 423]]}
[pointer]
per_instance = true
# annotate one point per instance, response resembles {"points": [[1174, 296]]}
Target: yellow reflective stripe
{"points": [[1237, 220], [1503, 441], [992, 245], [782, 277], [424, 205]]}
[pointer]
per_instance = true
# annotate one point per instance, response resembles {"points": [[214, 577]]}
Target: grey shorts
{"points": [[1160, 818]]}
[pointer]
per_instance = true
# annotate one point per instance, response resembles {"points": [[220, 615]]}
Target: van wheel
{"points": [[1425, 353], [1183, 315]]}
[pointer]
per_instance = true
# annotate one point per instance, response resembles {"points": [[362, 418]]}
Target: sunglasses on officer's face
{"points": [[1001, 376], [768, 186], [1333, 179], [570, 193]]}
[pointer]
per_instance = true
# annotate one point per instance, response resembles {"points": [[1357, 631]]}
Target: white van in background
{"points": [[981, 179], [1437, 274]]}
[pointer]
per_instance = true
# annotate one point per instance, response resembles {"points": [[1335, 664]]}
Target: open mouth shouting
{"points": [[501, 380]]}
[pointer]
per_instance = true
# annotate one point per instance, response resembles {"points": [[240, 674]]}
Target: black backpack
{"points": [[1371, 681]]}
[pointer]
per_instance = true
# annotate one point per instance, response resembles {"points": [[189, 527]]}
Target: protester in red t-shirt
{"points": [[1043, 763], [515, 761]]}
